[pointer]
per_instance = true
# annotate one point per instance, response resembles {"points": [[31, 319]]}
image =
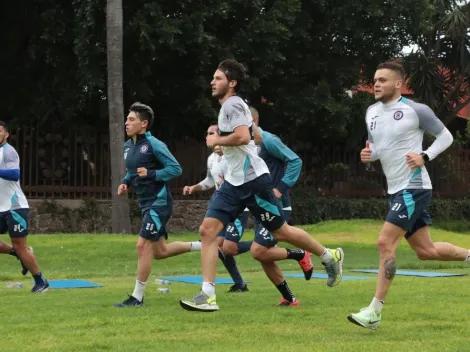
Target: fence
{"points": [[58, 164]]}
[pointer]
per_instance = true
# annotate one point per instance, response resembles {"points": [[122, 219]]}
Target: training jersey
{"points": [[243, 162], [283, 164], [11, 195], [149, 152], [216, 171], [397, 128]]}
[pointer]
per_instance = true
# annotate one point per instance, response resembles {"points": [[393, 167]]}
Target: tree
{"points": [[439, 68], [114, 36]]}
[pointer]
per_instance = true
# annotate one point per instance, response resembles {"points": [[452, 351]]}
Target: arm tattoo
{"points": [[390, 266]]}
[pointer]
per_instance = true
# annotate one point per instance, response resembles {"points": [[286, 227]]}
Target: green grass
{"points": [[421, 314]]}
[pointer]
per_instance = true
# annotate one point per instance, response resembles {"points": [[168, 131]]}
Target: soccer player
{"points": [[395, 128], [247, 184], [14, 212], [284, 167], [229, 238], [149, 166]]}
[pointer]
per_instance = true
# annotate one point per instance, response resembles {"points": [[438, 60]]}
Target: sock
{"points": [[195, 246], [231, 266], [326, 257], [285, 291], [139, 290], [13, 253], [377, 305], [468, 257], [244, 246], [38, 278], [296, 254], [208, 288]]}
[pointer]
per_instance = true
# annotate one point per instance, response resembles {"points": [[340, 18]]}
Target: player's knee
{"points": [[19, 247], [207, 231], [160, 255], [142, 248], [230, 248], [426, 253], [257, 252], [383, 244]]}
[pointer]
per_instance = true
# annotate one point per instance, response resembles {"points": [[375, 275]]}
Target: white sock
{"points": [[326, 257], [195, 246], [377, 305], [208, 288], [468, 257], [139, 290]]}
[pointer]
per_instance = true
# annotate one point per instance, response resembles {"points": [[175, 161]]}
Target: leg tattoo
{"points": [[390, 266]]}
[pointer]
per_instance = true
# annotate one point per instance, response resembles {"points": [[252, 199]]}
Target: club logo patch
{"points": [[398, 115], [144, 148]]}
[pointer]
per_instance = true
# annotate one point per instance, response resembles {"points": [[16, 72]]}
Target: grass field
{"points": [[421, 314]]}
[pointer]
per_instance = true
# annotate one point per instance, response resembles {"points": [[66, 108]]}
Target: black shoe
{"points": [[40, 288], [130, 302], [236, 288], [24, 269]]}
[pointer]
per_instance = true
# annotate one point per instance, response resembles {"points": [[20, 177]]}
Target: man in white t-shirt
{"points": [[229, 238], [395, 127], [247, 184], [14, 211]]}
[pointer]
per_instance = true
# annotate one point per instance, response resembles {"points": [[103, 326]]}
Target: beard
{"points": [[221, 93]]}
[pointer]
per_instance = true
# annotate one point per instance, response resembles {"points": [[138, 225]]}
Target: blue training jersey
{"points": [[149, 152], [283, 164]]}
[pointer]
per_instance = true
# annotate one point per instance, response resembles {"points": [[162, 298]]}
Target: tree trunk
{"points": [[114, 37]]}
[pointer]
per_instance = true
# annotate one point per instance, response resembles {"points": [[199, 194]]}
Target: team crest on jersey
{"points": [[144, 148], [398, 115]]}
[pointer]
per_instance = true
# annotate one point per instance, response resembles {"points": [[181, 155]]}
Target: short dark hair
{"points": [[143, 112], [234, 71], [4, 125], [394, 66], [214, 123]]}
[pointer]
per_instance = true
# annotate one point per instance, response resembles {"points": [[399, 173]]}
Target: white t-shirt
{"points": [[216, 171], [397, 128], [243, 161], [11, 195]]}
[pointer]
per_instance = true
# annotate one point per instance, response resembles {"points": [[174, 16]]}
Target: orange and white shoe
{"points": [[286, 303], [307, 265]]}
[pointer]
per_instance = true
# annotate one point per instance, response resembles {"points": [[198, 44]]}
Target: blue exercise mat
{"points": [[197, 279], [411, 273], [72, 284], [324, 276]]}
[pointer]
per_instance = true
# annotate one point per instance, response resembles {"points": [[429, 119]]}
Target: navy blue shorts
{"points": [[229, 201], [262, 236], [408, 209], [15, 222], [153, 223], [234, 230]]}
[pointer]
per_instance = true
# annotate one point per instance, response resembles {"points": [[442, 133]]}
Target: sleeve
{"points": [[374, 156], [127, 178], [235, 115], [171, 167], [209, 181], [11, 169], [280, 151], [430, 123]]}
